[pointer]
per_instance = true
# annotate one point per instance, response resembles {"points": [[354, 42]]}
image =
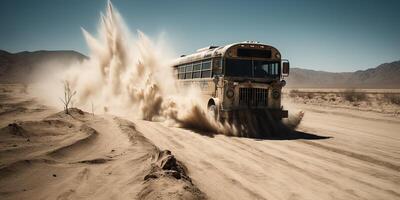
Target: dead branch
{"points": [[68, 94]]}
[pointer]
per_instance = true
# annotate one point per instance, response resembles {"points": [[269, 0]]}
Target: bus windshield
{"points": [[251, 68]]}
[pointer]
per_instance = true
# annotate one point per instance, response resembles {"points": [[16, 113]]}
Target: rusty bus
{"points": [[240, 76]]}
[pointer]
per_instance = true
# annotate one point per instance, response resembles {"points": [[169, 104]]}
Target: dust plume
{"points": [[294, 119], [131, 75]]}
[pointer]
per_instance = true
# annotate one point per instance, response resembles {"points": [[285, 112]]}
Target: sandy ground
{"points": [[81, 156], [384, 101], [337, 154], [342, 154]]}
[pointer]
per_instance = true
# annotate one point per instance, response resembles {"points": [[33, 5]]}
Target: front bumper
{"points": [[277, 114]]}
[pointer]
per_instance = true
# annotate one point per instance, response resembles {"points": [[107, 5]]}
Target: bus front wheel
{"points": [[212, 111]]}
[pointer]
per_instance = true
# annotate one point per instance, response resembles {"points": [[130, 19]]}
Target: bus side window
{"points": [[181, 72], [206, 74], [206, 69], [189, 69], [206, 65], [196, 70], [196, 74], [217, 66]]}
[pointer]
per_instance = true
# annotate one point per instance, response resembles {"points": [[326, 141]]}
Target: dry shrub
{"points": [[293, 93], [392, 98], [353, 96], [310, 95], [296, 93], [68, 94]]}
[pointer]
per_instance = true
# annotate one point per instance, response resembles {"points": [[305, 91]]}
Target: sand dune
{"points": [[82, 156]]}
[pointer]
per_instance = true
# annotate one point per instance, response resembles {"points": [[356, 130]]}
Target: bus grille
{"points": [[253, 97]]}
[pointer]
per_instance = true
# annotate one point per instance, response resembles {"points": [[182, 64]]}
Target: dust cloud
{"points": [[131, 75], [294, 120]]}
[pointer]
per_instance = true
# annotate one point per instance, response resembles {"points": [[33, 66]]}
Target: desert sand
{"points": [[336, 153], [52, 155]]}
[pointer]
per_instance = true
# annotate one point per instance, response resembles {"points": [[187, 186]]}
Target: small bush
{"points": [[392, 98], [303, 95], [293, 93], [296, 93], [353, 96], [310, 95]]}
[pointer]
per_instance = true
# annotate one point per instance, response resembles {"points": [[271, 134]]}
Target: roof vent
{"points": [[206, 48], [251, 42]]}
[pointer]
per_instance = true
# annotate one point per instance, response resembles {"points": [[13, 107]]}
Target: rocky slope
{"points": [[383, 76]]}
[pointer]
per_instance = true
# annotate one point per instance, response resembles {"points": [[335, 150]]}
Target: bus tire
{"points": [[212, 109]]}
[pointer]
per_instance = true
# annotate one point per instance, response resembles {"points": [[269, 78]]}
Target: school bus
{"points": [[236, 77]]}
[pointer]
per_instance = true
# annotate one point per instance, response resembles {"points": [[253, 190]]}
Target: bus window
{"points": [[196, 74], [274, 69], [249, 68], [196, 70], [181, 69], [197, 66], [181, 72], [217, 66], [206, 65], [264, 68], [189, 69], [188, 75], [239, 68], [206, 74]]}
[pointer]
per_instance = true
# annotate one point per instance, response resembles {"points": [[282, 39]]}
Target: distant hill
{"points": [[386, 75], [16, 67]]}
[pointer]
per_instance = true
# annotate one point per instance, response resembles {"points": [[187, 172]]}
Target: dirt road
{"points": [[340, 155]]}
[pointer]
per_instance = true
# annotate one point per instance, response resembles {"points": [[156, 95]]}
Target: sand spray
{"points": [[131, 75]]}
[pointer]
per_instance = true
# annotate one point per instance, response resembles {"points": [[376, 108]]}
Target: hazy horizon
{"points": [[337, 36], [306, 68]]}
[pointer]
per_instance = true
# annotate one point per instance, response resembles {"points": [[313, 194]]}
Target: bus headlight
{"points": [[230, 93], [283, 83], [276, 94]]}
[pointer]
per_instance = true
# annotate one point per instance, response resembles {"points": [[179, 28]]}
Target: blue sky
{"points": [[331, 35]]}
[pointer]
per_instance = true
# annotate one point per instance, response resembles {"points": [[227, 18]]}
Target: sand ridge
{"points": [[85, 156]]}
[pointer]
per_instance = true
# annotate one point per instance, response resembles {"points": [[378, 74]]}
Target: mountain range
{"points": [[16, 68], [384, 76]]}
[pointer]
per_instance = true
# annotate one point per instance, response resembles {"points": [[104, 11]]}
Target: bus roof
{"points": [[214, 51]]}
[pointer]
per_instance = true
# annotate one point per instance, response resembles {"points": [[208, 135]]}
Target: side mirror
{"points": [[285, 68]]}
